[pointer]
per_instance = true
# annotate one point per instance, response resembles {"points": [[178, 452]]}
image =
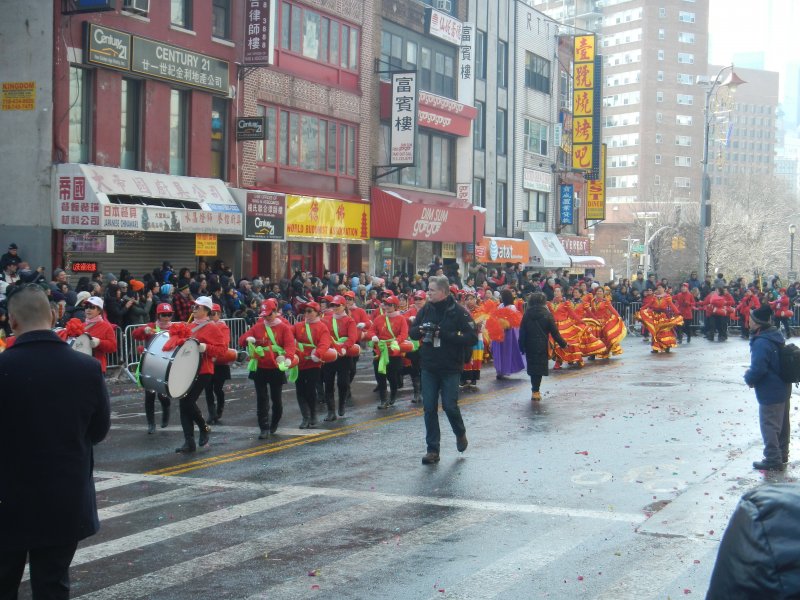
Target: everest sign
{"points": [[404, 119]]}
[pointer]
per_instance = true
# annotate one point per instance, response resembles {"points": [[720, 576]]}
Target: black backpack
{"points": [[789, 357]]}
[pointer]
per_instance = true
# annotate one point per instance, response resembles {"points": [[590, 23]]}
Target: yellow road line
{"points": [[261, 450]]}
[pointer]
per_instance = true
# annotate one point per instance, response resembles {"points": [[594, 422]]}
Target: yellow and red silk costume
{"points": [[567, 322], [660, 316], [603, 320]]}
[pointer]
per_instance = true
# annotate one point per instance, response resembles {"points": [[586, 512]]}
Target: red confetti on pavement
{"points": [[697, 562], [687, 591], [315, 587], [580, 577], [584, 452]]}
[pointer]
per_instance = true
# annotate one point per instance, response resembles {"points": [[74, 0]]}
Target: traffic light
{"points": [[678, 242]]}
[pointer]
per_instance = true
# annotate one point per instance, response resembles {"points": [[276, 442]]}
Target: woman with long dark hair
{"points": [[535, 331]]}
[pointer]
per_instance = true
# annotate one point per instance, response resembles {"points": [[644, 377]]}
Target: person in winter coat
{"points": [[783, 311], [757, 556], [772, 392], [537, 324]]}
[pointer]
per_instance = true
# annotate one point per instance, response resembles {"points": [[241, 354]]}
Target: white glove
{"points": [[148, 330], [361, 325], [281, 359], [412, 319], [315, 358], [203, 347], [342, 351], [375, 339], [95, 342], [251, 340]]}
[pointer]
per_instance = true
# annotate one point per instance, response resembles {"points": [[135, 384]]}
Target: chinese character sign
{"points": [[466, 65], [596, 192], [259, 44], [403, 125], [586, 124], [205, 244], [566, 204], [265, 217], [584, 48]]}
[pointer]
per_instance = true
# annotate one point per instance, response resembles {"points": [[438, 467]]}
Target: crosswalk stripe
{"points": [[356, 565], [172, 530], [495, 579], [233, 556], [658, 566], [126, 508], [117, 480]]}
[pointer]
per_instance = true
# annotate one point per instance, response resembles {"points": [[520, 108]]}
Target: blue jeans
{"points": [[446, 384]]}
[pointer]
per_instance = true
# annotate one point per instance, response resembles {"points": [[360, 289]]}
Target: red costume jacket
{"points": [[284, 337], [103, 331], [399, 329], [139, 332], [685, 303], [344, 335], [663, 305], [782, 307], [321, 338], [719, 303], [216, 345]]}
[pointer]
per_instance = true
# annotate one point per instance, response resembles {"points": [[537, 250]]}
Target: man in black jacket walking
{"points": [[445, 330]]}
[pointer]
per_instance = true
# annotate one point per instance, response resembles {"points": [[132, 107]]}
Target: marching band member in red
{"points": [[390, 330], [163, 320], [661, 316], [783, 312], [104, 341], [344, 339], [274, 350], [685, 303], [212, 345], [719, 302], [222, 371], [748, 303], [412, 357], [363, 323], [313, 343]]}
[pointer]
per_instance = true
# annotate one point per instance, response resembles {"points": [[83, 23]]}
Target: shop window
{"points": [[501, 131], [434, 63], [219, 137], [178, 116], [221, 18], [480, 54], [479, 126], [479, 192], [80, 99], [391, 53], [309, 142], [535, 137], [435, 159], [130, 134], [181, 13], [537, 206], [500, 209], [320, 38], [537, 72]]}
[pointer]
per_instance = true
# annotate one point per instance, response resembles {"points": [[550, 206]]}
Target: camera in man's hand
{"points": [[428, 332]]}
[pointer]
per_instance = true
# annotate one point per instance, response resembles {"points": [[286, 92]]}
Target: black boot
{"points": [[392, 397], [164, 416], [342, 400], [384, 400], [204, 431], [331, 404], [415, 383], [304, 412], [331, 416], [151, 426], [188, 446]]}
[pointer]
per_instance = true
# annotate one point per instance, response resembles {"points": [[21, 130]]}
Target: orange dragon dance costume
{"points": [[660, 316]]}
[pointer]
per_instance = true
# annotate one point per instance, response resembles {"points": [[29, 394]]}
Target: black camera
{"points": [[428, 331]]}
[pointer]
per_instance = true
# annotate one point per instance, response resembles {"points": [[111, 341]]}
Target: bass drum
{"points": [[169, 372]]}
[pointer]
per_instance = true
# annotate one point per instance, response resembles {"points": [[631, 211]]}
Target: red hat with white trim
{"points": [[165, 308], [391, 300], [216, 308]]}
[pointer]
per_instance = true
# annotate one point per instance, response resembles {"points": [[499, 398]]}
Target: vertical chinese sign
{"points": [[466, 65], [404, 120], [259, 25], [566, 204], [596, 191], [585, 124]]}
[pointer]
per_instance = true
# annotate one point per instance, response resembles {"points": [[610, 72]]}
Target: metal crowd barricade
{"points": [[627, 310], [237, 326], [117, 359]]}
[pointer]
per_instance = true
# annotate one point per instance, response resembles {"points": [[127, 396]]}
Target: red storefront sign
{"points": [[411, 215], [435, 112]]}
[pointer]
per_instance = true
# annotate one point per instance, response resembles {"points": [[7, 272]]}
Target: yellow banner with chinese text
{"points": [[326, 218], [596, 192]]}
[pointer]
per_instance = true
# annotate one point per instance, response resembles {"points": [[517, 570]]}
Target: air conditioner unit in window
{"points": [[445, 5], [138, 6]]}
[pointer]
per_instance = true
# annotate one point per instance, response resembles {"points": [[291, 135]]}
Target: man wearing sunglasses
{"points": [[58, 402]]}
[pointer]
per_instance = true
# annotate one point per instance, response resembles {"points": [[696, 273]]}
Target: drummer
{"points": [[275, 336], [212, 345], [363, 323], [163, 320], [104, 341], [222, 373]]}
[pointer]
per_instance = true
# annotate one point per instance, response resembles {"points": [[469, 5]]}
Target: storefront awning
{"points": [[88, 197], [423, 216], [586, 262], [547, 251]]}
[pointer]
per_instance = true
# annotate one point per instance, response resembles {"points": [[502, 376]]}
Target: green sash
{"points": [[384, 346]]}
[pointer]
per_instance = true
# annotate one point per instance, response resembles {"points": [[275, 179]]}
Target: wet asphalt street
{"points": [[618, 485]]}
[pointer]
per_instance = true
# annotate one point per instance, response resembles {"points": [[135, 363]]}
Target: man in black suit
{"points": [[57, 401]]}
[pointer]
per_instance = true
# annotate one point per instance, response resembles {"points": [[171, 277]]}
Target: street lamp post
{"points": [[630, 241], [792, 231], [732, 81]]}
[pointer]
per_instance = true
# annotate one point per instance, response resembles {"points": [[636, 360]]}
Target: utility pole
{"points": [[630, 241]]}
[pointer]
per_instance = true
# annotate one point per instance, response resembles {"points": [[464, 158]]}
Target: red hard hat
{"points": [[164, 308]]}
